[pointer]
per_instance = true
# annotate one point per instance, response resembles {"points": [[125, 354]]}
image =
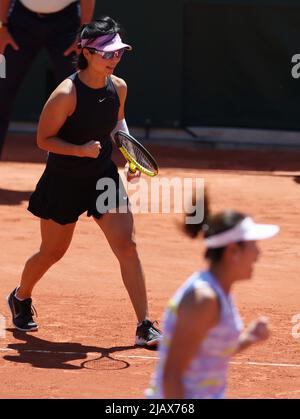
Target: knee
{"points": [[126, 249]]}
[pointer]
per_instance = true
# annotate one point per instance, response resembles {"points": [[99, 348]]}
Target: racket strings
{"points": [[137, 154]]}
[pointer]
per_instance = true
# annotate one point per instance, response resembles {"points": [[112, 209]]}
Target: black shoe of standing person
{"points": [[147, 335], [22, 313]]}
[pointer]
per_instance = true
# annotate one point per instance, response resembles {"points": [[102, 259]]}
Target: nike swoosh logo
{"points": [[102, 100]]}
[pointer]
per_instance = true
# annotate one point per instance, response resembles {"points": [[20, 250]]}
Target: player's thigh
{"points": [[118, 228], [56, 238]]}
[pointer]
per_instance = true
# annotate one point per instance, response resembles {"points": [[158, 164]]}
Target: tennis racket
{"points": [[136, 154]]}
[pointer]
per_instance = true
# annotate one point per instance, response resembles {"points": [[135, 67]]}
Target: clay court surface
{"points": [[84, 312]]}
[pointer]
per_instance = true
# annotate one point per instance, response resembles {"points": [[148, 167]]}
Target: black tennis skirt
{"points": [[64, 198]]}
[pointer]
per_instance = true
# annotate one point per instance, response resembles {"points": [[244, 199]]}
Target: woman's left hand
{"points": [[131, 177]]}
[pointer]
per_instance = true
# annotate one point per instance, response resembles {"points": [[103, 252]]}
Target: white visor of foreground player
{"points": [[246, 230]]}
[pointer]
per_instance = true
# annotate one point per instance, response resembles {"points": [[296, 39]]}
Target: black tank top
{"points": [[95, 116]]}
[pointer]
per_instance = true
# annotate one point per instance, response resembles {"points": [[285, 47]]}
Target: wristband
{"points": [[121, 126]]}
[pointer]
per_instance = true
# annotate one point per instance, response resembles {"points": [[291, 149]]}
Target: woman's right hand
{"points": [[6, 39], [258, 330], [91, 149]]}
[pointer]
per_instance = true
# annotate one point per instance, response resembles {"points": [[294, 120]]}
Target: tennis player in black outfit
{"points": [[75, 128]]}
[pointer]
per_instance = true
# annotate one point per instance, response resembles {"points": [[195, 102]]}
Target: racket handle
{"points": [[132, 168]]}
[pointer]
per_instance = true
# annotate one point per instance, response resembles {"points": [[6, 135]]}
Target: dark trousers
{"points": [[33, 32]]}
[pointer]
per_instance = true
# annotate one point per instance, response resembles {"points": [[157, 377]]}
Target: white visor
{"points": [[246, 230]]}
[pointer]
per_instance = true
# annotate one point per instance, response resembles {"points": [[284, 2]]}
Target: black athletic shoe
{"points": [[147, 334], [22, 312]]}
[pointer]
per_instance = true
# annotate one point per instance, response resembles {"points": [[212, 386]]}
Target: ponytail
{"points": [[211, 224], [193, 230]]}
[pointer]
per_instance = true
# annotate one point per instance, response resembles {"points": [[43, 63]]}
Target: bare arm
{"points": [[121, 88], [59, 106], [4, 7], [87, 10], [198, 313], [5, 37]]}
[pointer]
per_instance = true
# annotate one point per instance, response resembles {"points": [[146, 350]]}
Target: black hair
{"points": [[105, 25], [211, 224]]}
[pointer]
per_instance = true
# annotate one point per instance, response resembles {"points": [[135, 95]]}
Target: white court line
{"points": [[265, 364], [260, 364], [137, 356]]}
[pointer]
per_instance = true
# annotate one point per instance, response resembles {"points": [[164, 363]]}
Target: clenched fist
{"points": [[259, 331], [91, 149]]}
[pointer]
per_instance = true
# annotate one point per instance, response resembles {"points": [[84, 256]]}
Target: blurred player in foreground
{"points": [[202, 327]]}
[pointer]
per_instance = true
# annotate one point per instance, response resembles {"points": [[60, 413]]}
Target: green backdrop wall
{"points": [[198, 63]]}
